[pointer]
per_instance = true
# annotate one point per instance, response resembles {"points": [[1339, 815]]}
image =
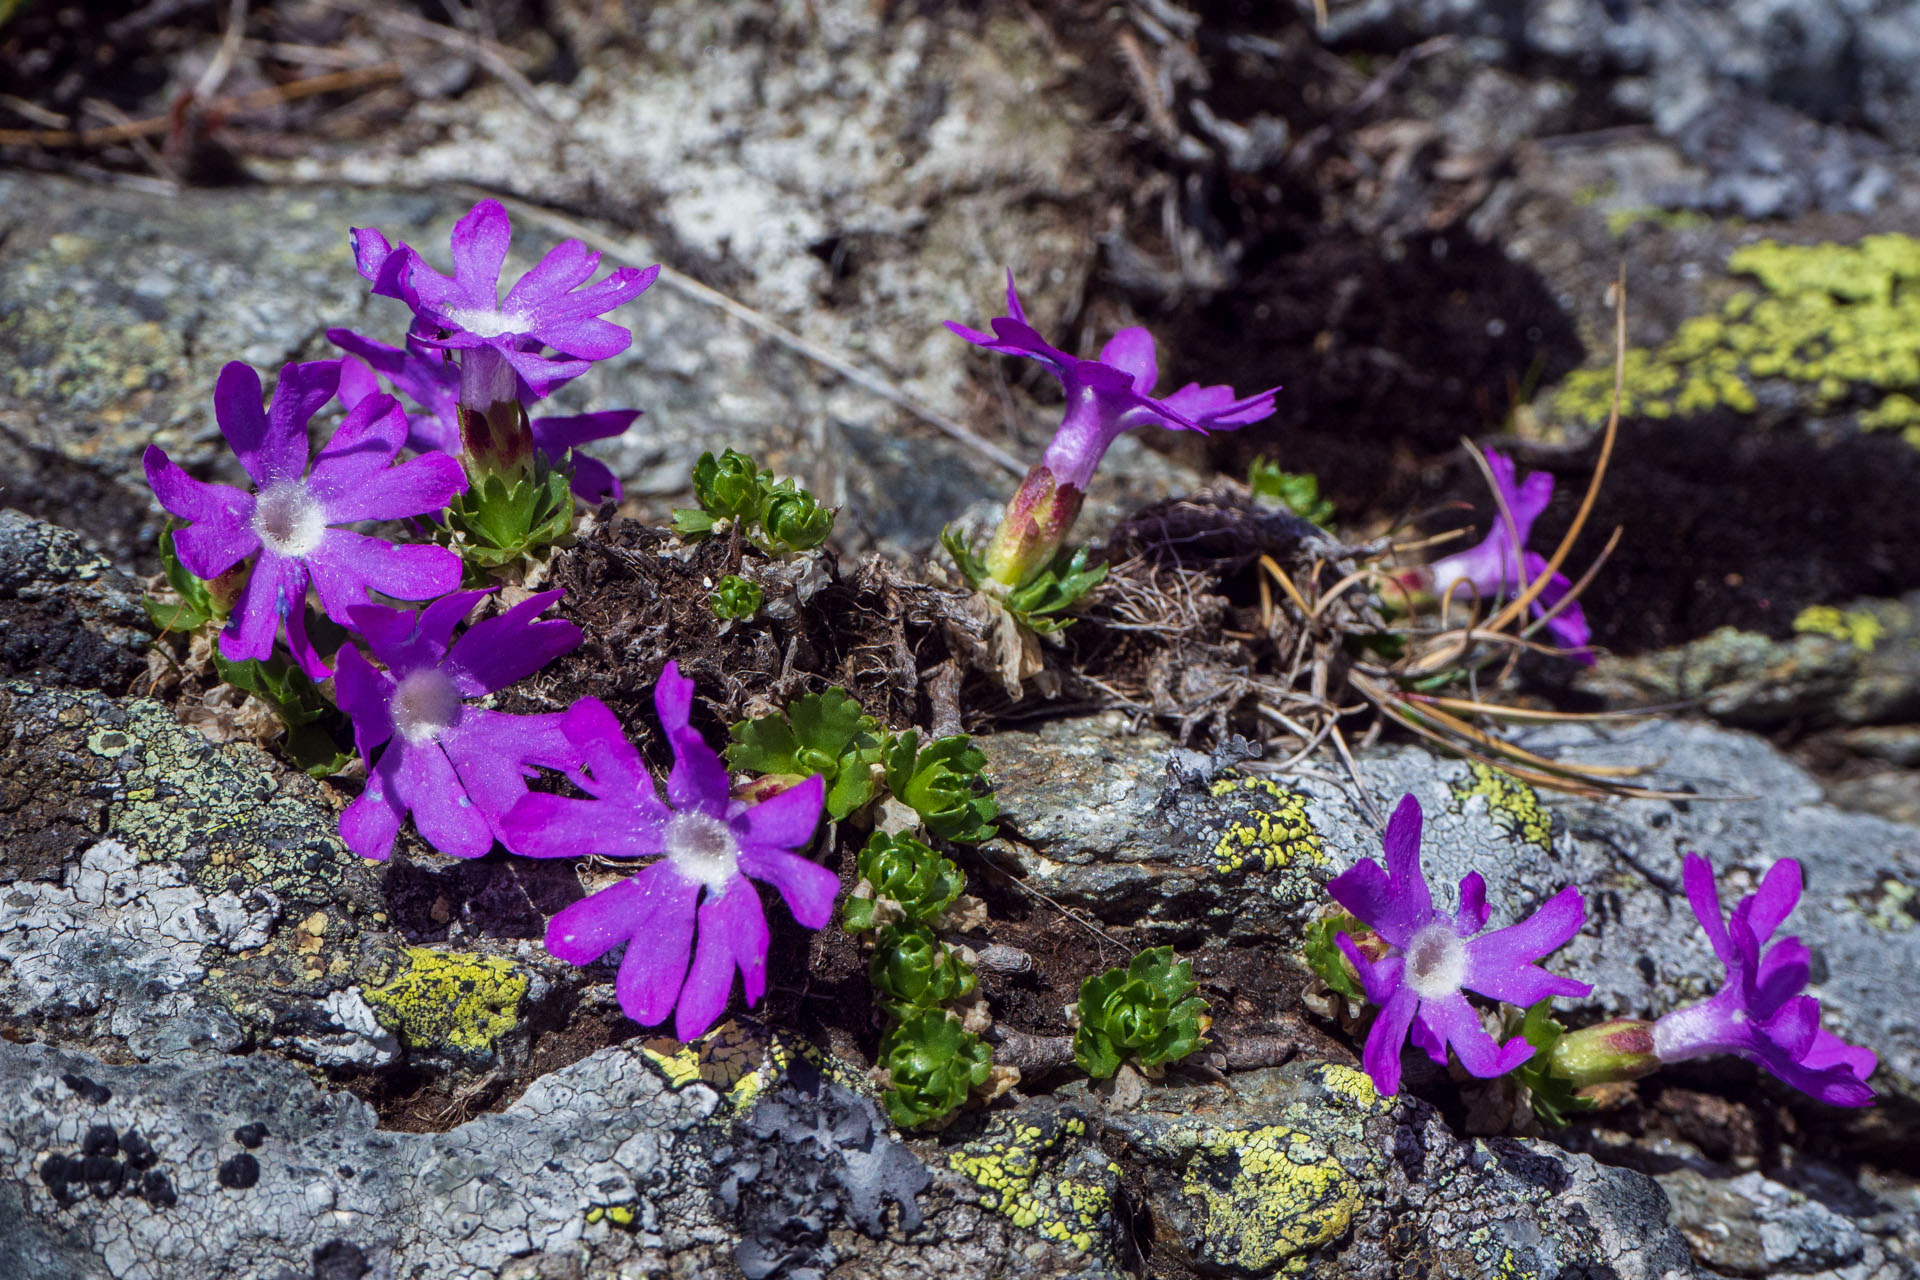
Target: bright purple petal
{"points": [[371, 823], [808, 888], [480, 241], [567, 266], [420, 486], [655, 965], [1775, 899], [733, 935], [611, 759], [365, 694], [1452, 1019], [592, 481], [276, 586], [302, 391], [556, 435], [1378, 978], [548, 826], [643, 902], [1131, 352], [443, 813], [1829, 1051], [1387, 1038], [786, 820], [1696, 873], [698, 780], [221, 534], [495, 753], [347, 565], [1500, 964], [1783, 973], [510, 646], [1472, 915]]}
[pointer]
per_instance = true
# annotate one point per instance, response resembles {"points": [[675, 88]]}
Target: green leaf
{"points": [[792, 520], [1061, 585], [736, 597], [692, 522], [912, 970], [195, 609], [1145, 1012], [933, 1063], [971, 566], [817, 733], [501, 521], [1554, 1096], [943, 784], [729, 487], [906, 872], [1325, 958], [1298, 492], [277, 682]]}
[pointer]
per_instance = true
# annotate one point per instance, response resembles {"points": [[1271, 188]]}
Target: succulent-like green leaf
{"points": [[1040, 601], [736, 598], [823, 733], [943, 784], [934, 1063], [971, 566], [792, 520], [1554, 1096], [500, 522], [1325, 958], [1145, 1012], [912, 970], [905, 871], [1296, 491], [729, 487]]}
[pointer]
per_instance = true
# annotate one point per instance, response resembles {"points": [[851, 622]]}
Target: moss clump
{"points": [[447, 1000], [1839, 322]]}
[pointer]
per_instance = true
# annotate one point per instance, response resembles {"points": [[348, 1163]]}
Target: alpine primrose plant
{"points": [[710, 848], [1432, 959], [457, 768], [1106, 398], [1491, 568], [289, 524]]}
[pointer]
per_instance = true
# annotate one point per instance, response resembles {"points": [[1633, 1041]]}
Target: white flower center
{"points": [[702, 849], [1436, 961], [487, 322], [425, 705], [288, 519]]}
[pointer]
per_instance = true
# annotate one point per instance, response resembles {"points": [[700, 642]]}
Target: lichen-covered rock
{"points": [[67, 616], [1133, 830]]}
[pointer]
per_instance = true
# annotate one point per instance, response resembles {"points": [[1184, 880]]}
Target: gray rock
{"points": [[67, 616]]}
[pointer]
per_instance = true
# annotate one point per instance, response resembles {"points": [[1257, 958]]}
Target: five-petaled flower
{"points": [[1105, 398], [458, 768], [431, 380], [712, 845], [1433, 958], [551, 306], [1490, 568], [290, 521], [1761, 1013]]}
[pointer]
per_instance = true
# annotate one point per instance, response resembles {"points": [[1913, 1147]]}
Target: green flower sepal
{"points": [[504, 518], [930, 1064], [1040, 602], [1145, 1012]]}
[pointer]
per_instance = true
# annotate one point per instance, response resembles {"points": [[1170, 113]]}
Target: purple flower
{"points": [[712, 844], [1761, 1013], [456, 768], [1113, 394], [290, 521], [1490, 568], [431, 380], [1432, 958], [1105, 397], [551, 306]]}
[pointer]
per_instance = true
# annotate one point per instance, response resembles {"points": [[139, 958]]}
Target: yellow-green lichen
{"points": [[1621, 221], [1841, 321], [1855, 626], [1272, 832], [1010, 1164], [1354, 1086], [740, 1060], [1894, 906], [1513, 805], [445, 999], [1262, 1198]]}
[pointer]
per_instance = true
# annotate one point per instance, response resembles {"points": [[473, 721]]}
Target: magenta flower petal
{"points": [[1131, 352], [1387, 1038], [808, 888], [1759, 1013], [482, 660], [567, 266], [787, 820], [1472, 916], [548, 826], [480, 242], [1378, 978], [220, 535], [276, 587], [495, 754], [595, 925], [426, 784], [348, 565], [1452, 1019], [733, 935], [1499, 963], [362, 691], [654, 968], [371, 824], [698, 779]]}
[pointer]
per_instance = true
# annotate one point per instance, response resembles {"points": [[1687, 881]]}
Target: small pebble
{"points": [[250, 1136]]}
